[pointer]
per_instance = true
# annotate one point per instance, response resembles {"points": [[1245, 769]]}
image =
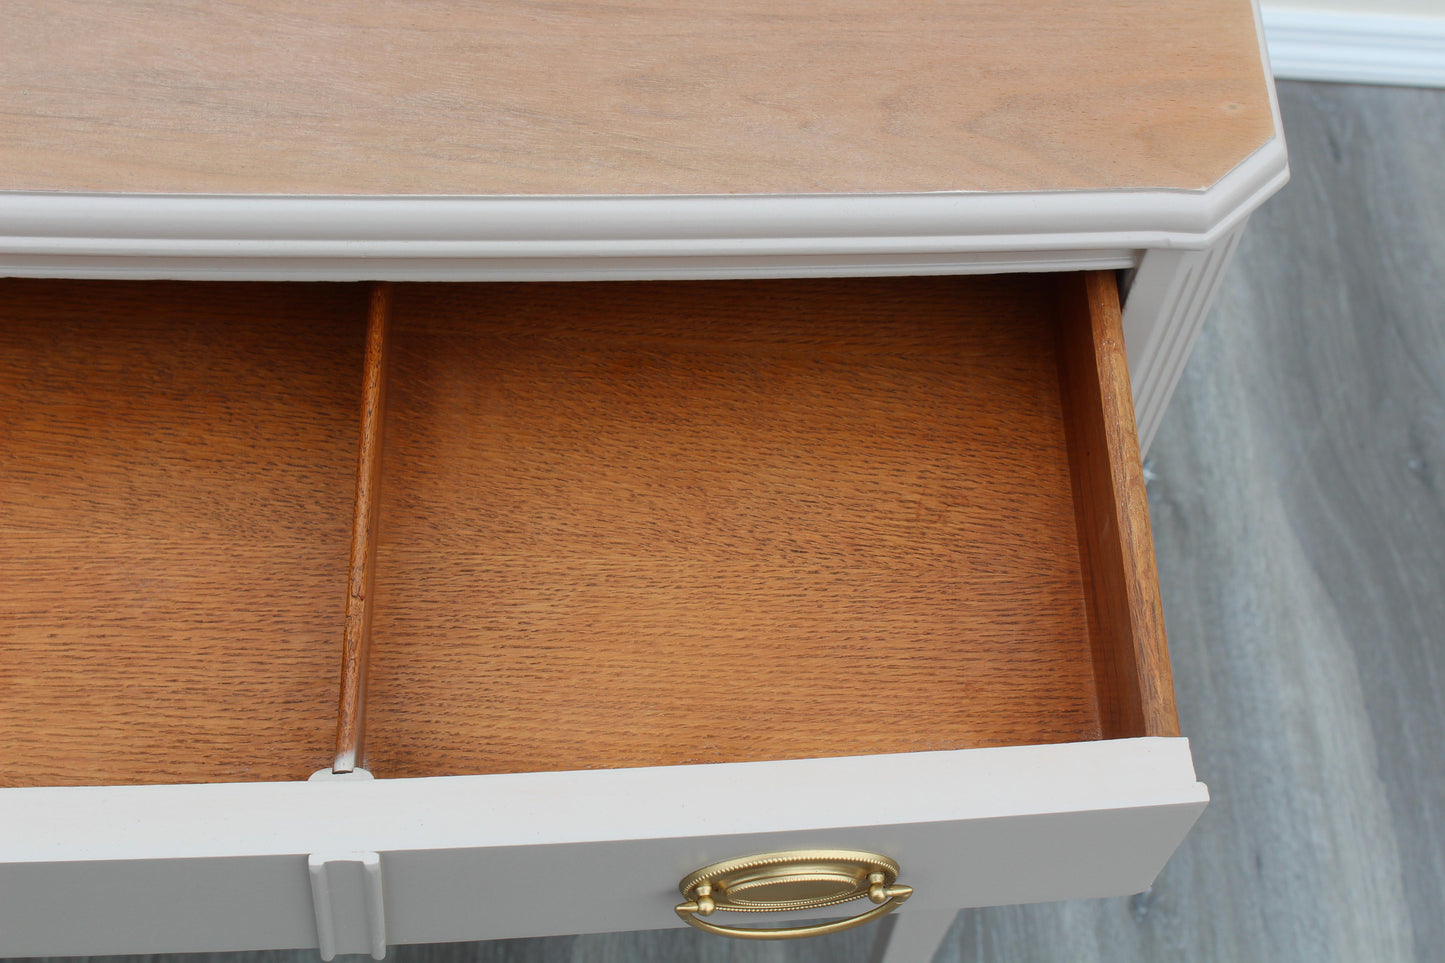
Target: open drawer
{"points": [[630, 578]]}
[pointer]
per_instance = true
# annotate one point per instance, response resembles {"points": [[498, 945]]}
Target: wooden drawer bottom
{"points": [[660, 524]]}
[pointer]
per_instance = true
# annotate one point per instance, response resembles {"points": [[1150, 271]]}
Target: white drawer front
{"points": [[224, 867]]}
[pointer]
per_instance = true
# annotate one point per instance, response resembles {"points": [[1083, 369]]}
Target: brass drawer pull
{"points": [[799, 880]]}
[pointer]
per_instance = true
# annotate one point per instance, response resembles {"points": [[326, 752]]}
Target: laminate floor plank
{"points": [[1298, 503]]}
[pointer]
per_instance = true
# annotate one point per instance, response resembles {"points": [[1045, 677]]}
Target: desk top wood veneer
{"points": [[603, 98]]}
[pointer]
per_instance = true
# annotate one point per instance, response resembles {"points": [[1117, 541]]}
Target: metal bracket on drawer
{"points": [[346, 894]]}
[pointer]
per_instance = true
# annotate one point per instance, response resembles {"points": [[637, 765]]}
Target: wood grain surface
{"points": [[176, 471], [625, 97], [365, 516], [651, 524], [1131, 656]]}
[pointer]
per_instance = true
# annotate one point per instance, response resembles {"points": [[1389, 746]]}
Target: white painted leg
{"points": [[914, 937], [1166, 304]]}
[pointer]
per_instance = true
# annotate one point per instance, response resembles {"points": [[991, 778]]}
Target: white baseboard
{"points": [[1356, 47]]}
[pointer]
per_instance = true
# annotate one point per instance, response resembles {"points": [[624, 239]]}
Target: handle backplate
{"points": [[797, 880]]}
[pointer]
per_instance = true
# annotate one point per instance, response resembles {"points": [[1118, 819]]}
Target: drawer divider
{"points": [[356, 639]]}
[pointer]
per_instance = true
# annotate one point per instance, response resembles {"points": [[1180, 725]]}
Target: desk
{"points": [[574, 480]]}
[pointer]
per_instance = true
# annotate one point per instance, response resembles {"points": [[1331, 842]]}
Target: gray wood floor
{"points": [[1298, 497]]}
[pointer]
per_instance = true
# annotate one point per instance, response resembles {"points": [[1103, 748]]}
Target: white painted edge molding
{"points": [[233, 237], [1169, 298], [1362, 48]]}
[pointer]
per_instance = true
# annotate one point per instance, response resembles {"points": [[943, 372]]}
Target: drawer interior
{"points": [[176, 470], [614, 524]]}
